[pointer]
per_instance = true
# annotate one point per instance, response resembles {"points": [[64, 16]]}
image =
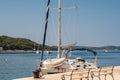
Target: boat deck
{"points": [[116, 75]]}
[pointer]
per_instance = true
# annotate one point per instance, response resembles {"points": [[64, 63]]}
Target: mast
{"points": [[59, 28], [45, 31]]}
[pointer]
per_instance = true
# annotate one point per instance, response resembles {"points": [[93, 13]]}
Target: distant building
{"points": [[1, 49]]}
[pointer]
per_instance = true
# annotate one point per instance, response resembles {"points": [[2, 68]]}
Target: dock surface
{"points": [[116, 75]]}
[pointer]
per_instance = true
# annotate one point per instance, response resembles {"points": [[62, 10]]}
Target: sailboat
{"points": [[37, 51], [62, 62]]}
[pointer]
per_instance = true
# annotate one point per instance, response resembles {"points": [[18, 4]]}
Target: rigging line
{"points": [[76, 17], [68, 16], [71, 19], [53, 27], [74, 3], [64, 8], [46, 24], [48, 36]]}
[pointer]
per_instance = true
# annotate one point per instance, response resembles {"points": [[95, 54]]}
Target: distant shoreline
{"points": [[17, 51], [34, 51]]}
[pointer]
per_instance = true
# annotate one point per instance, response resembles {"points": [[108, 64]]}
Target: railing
{"points": [[90, 74], [104, 71], [77, 75]]}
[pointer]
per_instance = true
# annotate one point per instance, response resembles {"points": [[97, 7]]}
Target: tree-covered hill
{"points": [[10, 43]]}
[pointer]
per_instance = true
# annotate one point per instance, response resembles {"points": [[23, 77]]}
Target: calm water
{"points": [[21, 65]]}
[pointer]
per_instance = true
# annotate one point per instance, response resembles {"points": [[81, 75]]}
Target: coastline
{"points": [[17, 52]]}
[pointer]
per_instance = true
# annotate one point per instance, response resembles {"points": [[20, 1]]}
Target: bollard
{"points": [[36, 74]]}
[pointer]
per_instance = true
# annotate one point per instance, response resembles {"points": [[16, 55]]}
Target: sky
{"points": [[95, 23]]}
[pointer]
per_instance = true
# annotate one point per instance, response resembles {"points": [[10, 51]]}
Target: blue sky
{"points": [[95, 23]]}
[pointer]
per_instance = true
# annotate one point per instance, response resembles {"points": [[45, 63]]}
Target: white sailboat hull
{"points": [[58, 65], [53, 63]]}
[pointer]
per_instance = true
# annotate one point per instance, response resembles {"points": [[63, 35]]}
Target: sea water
{"points": [[14, 66]]}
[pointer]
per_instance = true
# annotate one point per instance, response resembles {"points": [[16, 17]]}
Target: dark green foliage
{"points": [[9, 43]]}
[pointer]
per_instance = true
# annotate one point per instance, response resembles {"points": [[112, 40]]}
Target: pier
{"points": [[106, 73]]}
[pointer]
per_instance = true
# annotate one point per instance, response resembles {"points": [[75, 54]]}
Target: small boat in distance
{"points": [[37, 52], [106, 50]]}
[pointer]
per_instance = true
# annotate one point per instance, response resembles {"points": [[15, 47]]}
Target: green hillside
{"points": [[10, 43]]}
